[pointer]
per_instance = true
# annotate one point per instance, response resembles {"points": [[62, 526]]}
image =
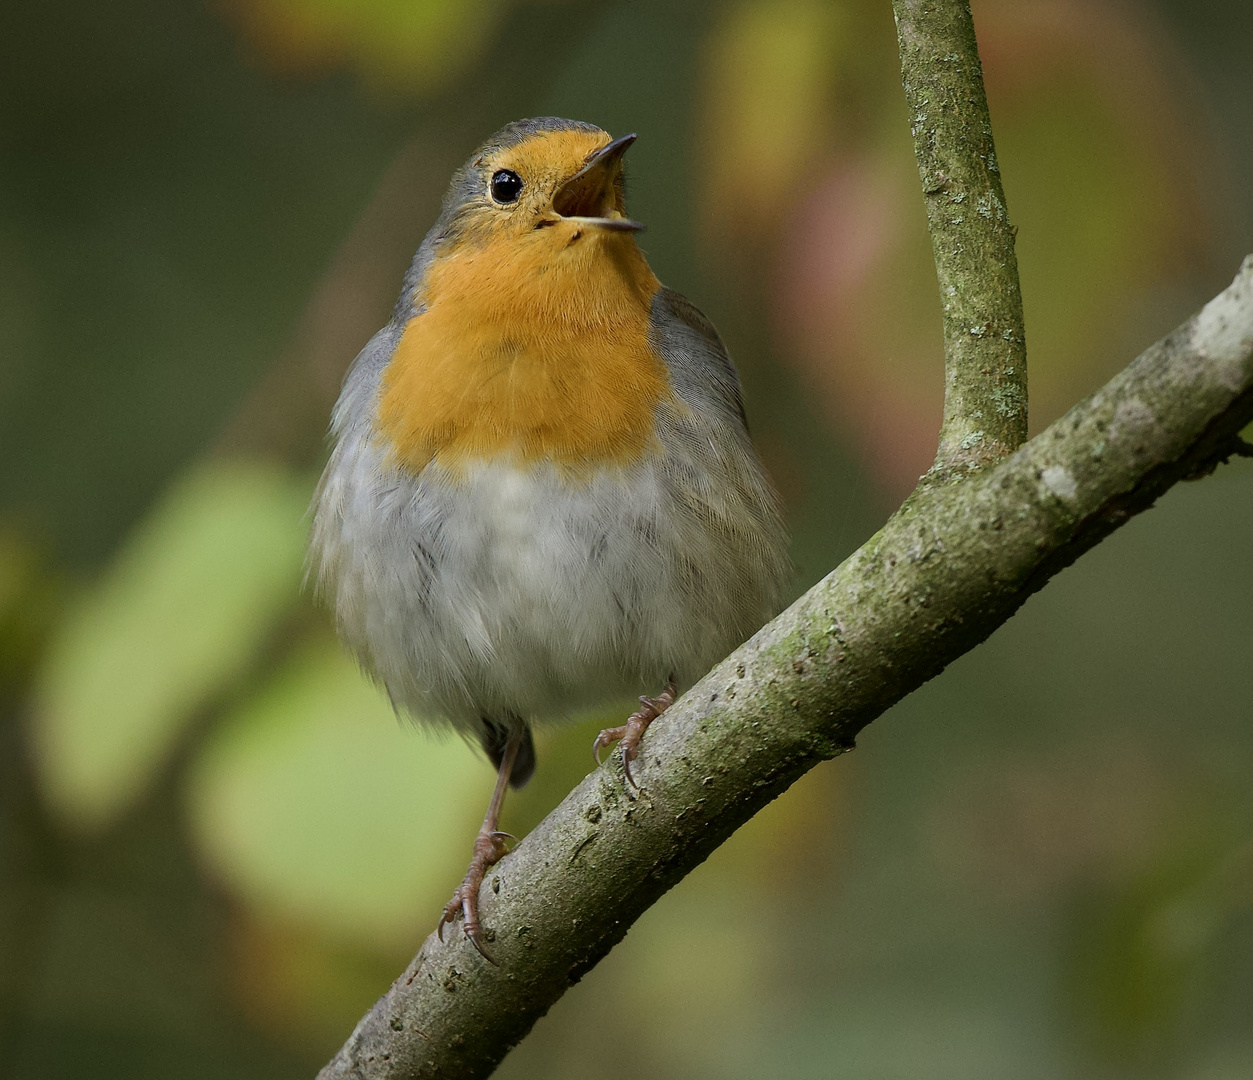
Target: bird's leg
{"points": [[633, 730], [489, 849]]}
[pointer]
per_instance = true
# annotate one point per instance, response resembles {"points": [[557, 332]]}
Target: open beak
{"points": [[590, 195]]}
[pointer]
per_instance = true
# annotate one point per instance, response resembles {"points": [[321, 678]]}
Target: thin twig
{"points": [[985, 352]]}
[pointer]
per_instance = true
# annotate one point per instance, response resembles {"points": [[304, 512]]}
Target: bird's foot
{"points": [[489, 849], [630, 733]]}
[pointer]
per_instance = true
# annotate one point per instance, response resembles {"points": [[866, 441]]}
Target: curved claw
{"points": [[470, 927], [607, 737], [627, 758], [478, 948]]}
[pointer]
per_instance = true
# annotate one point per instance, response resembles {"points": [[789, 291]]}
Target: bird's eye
{"points": [[506, 186]]}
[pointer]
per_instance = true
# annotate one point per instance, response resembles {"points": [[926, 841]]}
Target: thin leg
{"points": [[489, 849], [633, 730]]}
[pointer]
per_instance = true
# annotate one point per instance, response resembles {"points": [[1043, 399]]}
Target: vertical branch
{"points": [[985, 355]]}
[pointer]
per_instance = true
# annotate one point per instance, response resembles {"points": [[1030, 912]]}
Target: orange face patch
{"points": [[548, 157], [534, 347]]}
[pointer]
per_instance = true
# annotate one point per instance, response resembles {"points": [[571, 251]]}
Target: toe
{"points": [[451, 910]]}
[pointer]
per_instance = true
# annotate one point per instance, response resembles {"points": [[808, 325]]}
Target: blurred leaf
{"points": [[312, 803], [412, 45], [1102, 175], [767, 113], [180, 612]]}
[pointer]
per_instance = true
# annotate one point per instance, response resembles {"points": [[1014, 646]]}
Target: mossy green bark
{"points": [[985, 352], [947, 569]]}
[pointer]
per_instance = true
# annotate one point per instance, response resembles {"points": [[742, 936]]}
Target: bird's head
{"points": [[547, 182]]}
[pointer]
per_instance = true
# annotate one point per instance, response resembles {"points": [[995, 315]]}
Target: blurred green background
{"points": [[217, 846]]}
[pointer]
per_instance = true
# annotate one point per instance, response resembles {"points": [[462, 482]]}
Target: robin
{"points": [[542, 494]]}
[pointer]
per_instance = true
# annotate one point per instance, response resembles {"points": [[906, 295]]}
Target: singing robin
{"points": [[542, 493]]}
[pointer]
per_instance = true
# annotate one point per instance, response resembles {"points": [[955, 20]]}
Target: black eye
{"points": [[506, 186]]}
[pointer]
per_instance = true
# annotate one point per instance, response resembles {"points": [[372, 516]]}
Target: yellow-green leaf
{"points": [[411, 45], [182, 609], [313, 803]]}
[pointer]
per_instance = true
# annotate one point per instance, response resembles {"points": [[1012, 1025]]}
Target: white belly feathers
{"points": [[509, 590]]}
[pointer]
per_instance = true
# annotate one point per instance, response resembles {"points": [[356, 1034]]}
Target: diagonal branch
{"points": [[985, 352], [953, 564]]}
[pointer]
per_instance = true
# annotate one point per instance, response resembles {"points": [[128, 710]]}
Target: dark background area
{"points": [[1039, 865]]}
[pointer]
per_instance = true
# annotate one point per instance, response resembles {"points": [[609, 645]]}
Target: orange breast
{"points": [[537, 351]]}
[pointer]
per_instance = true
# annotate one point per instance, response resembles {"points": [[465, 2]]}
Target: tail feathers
{"points": [[495, 737]]}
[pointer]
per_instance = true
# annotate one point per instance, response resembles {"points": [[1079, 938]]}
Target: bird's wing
{"points": [[700, 369]]}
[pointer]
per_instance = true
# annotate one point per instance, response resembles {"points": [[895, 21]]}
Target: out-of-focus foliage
{"points": [[1149, 951], [1036, 866], [181, 613], [30, 601], [311, 809], [770, 71], [1101, 172], [400, 45]]}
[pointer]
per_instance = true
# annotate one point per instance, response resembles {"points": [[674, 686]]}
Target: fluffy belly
{"points": [[511, 591]]}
